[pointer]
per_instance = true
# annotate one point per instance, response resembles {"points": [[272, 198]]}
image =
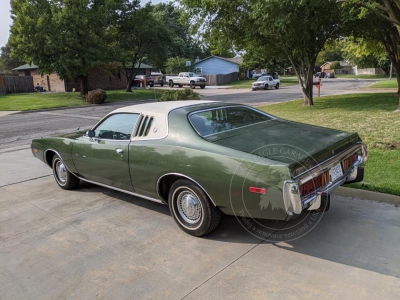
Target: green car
{"points": [[204, 158]]}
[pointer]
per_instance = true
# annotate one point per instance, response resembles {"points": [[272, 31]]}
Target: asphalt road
{"points": [[19, 129]]}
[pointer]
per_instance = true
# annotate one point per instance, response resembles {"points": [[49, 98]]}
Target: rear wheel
{"points": [[63, 177], [191, 209], [171, 83], [202, 86]]}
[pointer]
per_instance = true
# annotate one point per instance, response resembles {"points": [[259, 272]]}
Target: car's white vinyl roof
{"points": [[159, 111], [158, 107]]}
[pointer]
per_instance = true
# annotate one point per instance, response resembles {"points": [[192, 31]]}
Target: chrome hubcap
{"points": [[189, 207], [61, 172]]}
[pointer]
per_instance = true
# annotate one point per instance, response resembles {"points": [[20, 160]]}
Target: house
{"points": [[346, 68], [97, 78], [218, 65], [50, 82]]}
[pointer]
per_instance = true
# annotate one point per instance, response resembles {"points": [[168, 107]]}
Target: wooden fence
{"points": [[220, 79], [16, 84]]}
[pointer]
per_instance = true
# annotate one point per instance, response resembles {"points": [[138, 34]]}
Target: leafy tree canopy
{"points": [[65, 36], [296, 29], [6, 62]]}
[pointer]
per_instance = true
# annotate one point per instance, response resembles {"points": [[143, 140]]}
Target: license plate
{"points": [[336, 172]]}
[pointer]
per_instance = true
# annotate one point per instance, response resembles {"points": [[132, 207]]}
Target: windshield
{"points": [[192, 74], [263, 78], [226, 118]]}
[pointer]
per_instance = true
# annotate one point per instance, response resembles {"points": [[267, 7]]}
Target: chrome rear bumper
{"points": [[295, 203]]}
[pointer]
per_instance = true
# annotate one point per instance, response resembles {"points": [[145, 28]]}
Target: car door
{"points": [[271, 81], [105, 157]]}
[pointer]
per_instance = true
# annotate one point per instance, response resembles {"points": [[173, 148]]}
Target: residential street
{"points": [[20, 129]]}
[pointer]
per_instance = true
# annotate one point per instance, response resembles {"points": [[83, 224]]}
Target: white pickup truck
{"points": [[265, 82], [187, 78]]}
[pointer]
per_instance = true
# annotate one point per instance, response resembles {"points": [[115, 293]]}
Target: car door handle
{"points": [[120, 151]]}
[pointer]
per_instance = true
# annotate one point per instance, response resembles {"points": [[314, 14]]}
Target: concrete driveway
{"points": [[97, 243]]}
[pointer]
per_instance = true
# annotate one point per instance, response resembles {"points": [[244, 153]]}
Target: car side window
{"points": [[117, 127]]}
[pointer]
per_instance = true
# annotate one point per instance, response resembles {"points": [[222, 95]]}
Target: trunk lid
{"points": [[287, 142]]}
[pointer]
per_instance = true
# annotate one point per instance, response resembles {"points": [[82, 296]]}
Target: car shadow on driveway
{"points": [[357, 233]]}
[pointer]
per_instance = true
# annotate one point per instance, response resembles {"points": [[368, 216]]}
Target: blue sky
{"points": [[5, 19]]}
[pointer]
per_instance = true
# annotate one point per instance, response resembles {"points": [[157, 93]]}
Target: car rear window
{"points": [[217, 120]]}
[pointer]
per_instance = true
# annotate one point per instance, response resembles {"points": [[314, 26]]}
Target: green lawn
{"points": [[372, 116], [385, 84], [31, 101], [246, 84], [362, 76]]}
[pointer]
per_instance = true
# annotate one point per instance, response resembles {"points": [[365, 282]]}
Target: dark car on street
{"points": [[320, 75], [139, 81]]}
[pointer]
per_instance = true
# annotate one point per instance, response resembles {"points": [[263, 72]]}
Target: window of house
{"points": [[27, 72]]}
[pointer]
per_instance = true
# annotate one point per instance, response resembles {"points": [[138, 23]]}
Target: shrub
{"points": [[174, 95], [97, 96], [335, 65]]}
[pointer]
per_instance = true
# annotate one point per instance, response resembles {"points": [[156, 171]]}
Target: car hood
{"points": [[287, 142], [260, 81]]}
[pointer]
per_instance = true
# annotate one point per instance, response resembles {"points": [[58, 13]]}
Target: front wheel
{"points": [[191, 208], [266, 87], [65, 179], [192, 85], [202, 86], [277, 86]]}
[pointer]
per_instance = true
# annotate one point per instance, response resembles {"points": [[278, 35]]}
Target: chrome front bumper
{"points": [[295, 203]]}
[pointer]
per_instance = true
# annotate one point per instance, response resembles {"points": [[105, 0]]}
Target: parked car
{"points": [[265, 82], [204, 158], [275, 75], [320, 75], [139, 80], [330, 75], [187, 78]]}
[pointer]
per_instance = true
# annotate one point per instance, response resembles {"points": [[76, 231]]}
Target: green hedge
{"points": [[174, 95]]}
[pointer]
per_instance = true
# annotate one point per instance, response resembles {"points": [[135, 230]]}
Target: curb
{"points": [[367, 195]]}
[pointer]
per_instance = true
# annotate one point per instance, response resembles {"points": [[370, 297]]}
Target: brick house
{"points": [[97, 78], [50, 82], [346, 68]]}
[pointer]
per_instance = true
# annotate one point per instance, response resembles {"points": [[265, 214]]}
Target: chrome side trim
{"points": [[103, 185], [187, 177], [122, 191]]}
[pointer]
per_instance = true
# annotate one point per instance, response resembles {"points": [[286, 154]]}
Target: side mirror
{"points": [[90, 133]]}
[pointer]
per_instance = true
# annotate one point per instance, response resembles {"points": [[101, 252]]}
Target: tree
{"points": [[183, 44], [385, 28], [297, 29], [137, 36], [388, 10], [335, 65], [176, 65], [64, 36], [332, 51], [365, 53], [6, 62]]}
